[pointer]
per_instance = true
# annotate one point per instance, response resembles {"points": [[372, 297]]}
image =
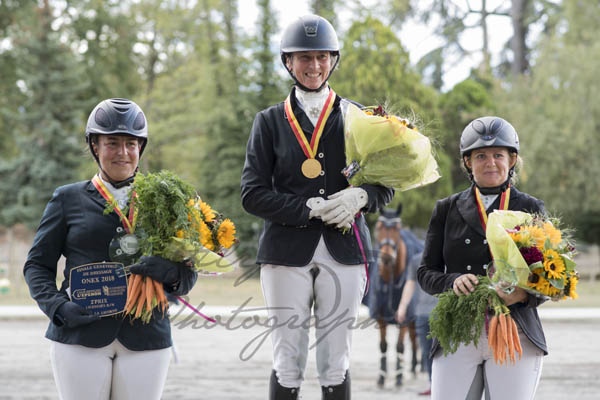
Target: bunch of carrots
{"points": [[503, 338], [143, 295]]}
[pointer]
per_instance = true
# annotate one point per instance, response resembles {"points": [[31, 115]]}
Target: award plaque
{"points": [[99, 287]]}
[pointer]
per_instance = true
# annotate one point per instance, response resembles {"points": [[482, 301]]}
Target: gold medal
{"points": [[311, 168]]}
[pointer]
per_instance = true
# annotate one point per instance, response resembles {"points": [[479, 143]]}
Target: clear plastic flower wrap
{"points": [[531, 252], [386, 150]]}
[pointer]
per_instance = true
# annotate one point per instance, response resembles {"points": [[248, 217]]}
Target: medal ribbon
{"points": [[504, 198], [128, 223], [310, 150]]}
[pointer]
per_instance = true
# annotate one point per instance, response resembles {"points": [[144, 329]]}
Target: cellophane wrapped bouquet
{"points": [[533, 253], [174, 223], [529, 252], [386, 150]]}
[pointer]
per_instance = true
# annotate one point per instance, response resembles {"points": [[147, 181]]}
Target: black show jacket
{"points": [[455, 245], [73, 225], [274, 188]]}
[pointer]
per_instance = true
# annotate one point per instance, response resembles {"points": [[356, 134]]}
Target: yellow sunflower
{"points": [[537, 234], [516, 236], [571, 286], [539, 283], [207, 211], [194, 217], [205, 236], [226, 233], [553, 264], [552, 291], [552, 233]]}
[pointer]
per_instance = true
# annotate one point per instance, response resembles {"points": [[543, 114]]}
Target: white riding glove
{"points": [[316, 205], [342, 206]]}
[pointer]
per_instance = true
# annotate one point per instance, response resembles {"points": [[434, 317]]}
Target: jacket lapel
{"points": [[514, 200], [94, 194], [467, 207]]}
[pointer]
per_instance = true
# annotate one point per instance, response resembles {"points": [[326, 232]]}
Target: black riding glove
{"points": [[73, 315], [159, 269]]}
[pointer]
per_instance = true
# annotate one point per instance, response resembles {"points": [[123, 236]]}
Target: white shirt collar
{"points": [[312, 102], [121, 195], [488, 199]]}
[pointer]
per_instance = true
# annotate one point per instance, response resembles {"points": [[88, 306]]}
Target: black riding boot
{"points": [[338, 392], [278, 392]]}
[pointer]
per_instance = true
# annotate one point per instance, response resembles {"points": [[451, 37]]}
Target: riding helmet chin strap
{"points": [[492, 190], [496, 189], [119, 184]]}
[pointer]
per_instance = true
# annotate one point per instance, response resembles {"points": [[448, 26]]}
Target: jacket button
{"points": [[321, 191], [322, 173], [484, 266], [320, 155], [467, 241], [484, 241], [468, 267]]}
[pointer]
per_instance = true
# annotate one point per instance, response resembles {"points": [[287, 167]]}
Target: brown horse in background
{"points": [[391, 263]]}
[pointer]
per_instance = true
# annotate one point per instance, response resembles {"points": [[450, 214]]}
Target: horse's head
{"points": [[392, 251]]}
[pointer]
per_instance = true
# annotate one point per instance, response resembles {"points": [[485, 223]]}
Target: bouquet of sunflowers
{"points": [[174, 223], [386, 150], [531, 252]]}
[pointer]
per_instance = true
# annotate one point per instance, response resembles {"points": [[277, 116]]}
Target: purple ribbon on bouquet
{"points": [[362, 251]]}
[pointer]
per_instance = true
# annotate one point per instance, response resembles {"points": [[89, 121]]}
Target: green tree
{"points": [[11, 12], [557, 115], [268, 81], [47, 126], [201, 114], [325, 9], [466, 101], [229, 126], [455, 20], [104, 34]]}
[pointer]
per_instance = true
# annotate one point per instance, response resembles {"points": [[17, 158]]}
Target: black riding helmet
{"points": [[117, 117], [309, 33], [489, 132]]}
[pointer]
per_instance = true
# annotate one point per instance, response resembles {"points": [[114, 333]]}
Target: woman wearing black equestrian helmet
{"points": [[106, 357], [456, 251], [291, 179]]}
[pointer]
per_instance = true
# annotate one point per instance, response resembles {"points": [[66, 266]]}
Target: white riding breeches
{"points": [[471, 370], [110, 372], [333, 292]]}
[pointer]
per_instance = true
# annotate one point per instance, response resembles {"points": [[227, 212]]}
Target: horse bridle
{"points": [[389, 223]]}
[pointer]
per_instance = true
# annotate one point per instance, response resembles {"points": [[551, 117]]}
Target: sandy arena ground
{"points": [[210, 363]]}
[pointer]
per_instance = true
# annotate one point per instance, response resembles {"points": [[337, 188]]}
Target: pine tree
{"points": [[227, 135], [269, 88], [49, 151], [326, 9]]}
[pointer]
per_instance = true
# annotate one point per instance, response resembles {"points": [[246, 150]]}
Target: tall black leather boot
{"points": [[337, 392], [278, 392]]}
